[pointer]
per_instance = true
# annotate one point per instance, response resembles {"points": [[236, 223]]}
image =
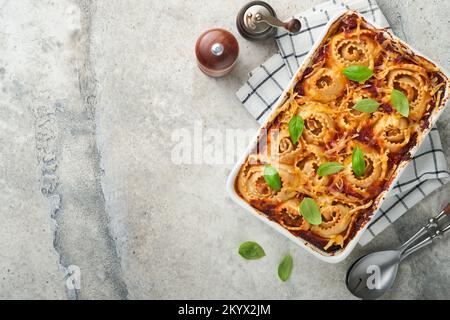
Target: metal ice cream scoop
{"points": [[372, 275]]}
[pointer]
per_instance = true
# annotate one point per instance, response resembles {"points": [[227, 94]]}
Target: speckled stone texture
{"points": [[91, 93]]}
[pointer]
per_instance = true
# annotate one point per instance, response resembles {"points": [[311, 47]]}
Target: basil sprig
{"points": [[328, 168], [358, 162], [366, 105], [400, 102], [251, 250], [358, 73], [295, 128], [310, 211], [272, 177], [285, 267]]}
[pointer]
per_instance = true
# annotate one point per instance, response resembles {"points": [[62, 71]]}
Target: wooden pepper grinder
{"points": [[217, 51]]}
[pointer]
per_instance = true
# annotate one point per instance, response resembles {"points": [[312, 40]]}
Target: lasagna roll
{"points": [[318, 127], [413, 81], [358, 48], [281, 148], [375, 164], [252, 185], [308, 170], [393, 131], [290, 216], [325, 85], [349, 118]]}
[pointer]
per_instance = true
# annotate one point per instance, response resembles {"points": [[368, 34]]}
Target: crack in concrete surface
{"points": [[46, 147], [53, 137], [76, 128], [88, 87]]}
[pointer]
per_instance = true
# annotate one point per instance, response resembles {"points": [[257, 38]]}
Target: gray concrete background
{"points": [[91, 92]]}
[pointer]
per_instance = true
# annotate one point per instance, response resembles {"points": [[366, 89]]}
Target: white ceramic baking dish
{"points": [[339, 255]]}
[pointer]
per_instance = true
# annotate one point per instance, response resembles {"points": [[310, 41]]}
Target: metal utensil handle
{"points": [[432, 223], [445, 230], [429, 240], [416, 247], [436, 235], [411, 240]]}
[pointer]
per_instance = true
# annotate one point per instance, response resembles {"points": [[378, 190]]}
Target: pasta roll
{"points": [[375, 167], [252, 185], [356, 49], [325, 85], [318, 127], [291, 218], [412, 80], [281, 148], [393, 131]]}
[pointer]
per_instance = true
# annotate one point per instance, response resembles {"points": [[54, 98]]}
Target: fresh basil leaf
{"points": [[272, 177], [295, 128], [366, 105], [358, 73], [251, 250], [285, 267], [358, 162], [400, 102], [310, 211], [328, 168]]}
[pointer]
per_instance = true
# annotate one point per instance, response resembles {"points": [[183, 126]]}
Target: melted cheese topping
{"points": [[324, 98]]}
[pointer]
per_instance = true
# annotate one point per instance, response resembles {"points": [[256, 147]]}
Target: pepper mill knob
{"points": [[217, 51], [293, 25]]}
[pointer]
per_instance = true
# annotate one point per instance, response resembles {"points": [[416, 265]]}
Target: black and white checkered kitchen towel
{"points": [[428, 169]]}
